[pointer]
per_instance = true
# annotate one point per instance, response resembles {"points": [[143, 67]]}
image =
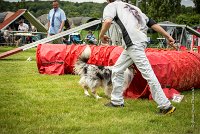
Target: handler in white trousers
{"points": [[133, 24]]}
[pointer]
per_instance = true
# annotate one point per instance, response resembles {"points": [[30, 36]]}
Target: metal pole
{"points": [[137, 2]]}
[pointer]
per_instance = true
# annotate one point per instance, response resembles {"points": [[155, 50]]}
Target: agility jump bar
{"points": [[50, 38]]}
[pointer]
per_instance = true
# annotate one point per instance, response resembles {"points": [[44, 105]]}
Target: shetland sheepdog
{"points": [[93, 77]]}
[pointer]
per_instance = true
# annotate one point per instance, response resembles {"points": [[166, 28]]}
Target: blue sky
{"points": [[184, 2]]}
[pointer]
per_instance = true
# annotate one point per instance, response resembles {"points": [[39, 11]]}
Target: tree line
{"points": [[171, 10], [165, 10]]}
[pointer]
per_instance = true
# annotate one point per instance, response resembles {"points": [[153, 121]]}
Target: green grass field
{"points": [[31, 103]]}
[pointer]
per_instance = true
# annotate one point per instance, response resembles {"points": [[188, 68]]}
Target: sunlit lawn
{"points": [[41, 104]]}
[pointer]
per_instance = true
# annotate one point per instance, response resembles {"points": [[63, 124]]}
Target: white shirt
{"points": [[130, 19], [24, 27]]}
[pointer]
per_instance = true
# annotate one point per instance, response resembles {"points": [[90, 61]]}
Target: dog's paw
{"points": [[98, 97], [86, 93]]}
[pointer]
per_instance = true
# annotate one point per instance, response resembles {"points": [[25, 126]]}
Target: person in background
{"points": [[34, 29], [7, 36], [56, 20], [23, 26], [133, 24], [90, 38]]}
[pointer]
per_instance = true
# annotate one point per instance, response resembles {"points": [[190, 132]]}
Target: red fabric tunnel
{"points": [[57, 59], [174, 69]]}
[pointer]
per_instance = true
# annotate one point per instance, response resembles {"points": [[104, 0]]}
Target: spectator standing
{"points": [[56, 20]]}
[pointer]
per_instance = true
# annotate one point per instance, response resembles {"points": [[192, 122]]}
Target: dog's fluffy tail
{"points": [[81, 62]]}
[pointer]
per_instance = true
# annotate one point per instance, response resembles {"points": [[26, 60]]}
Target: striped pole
{"points": [[50, 38]]}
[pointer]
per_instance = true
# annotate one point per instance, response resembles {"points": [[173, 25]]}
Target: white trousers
{"points": [[136, 54]]}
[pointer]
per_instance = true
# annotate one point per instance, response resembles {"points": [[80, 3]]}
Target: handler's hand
{"points": [[171, 42], [105, 39]]}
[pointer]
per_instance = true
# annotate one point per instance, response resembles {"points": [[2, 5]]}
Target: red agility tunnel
{"points": [[175, 69], [57, 59], [104, 55]]}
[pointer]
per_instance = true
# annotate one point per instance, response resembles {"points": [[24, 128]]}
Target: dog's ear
{"points": [[107, 74], [100, 76]]}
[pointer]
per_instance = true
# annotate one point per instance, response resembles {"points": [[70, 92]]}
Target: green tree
{"points": [[188, 19], [143, 6], [197, 6], [161, 11], [187, 10]]}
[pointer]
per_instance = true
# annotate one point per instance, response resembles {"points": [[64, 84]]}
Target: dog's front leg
{"points": [[108, 90], [86, 91], [95, 94]]}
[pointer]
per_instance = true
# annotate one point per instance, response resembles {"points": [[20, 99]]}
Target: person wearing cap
{"points": [[134, 25]]}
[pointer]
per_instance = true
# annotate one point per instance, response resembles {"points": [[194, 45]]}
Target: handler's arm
{"points": [[106, 25], [159, 29]]}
